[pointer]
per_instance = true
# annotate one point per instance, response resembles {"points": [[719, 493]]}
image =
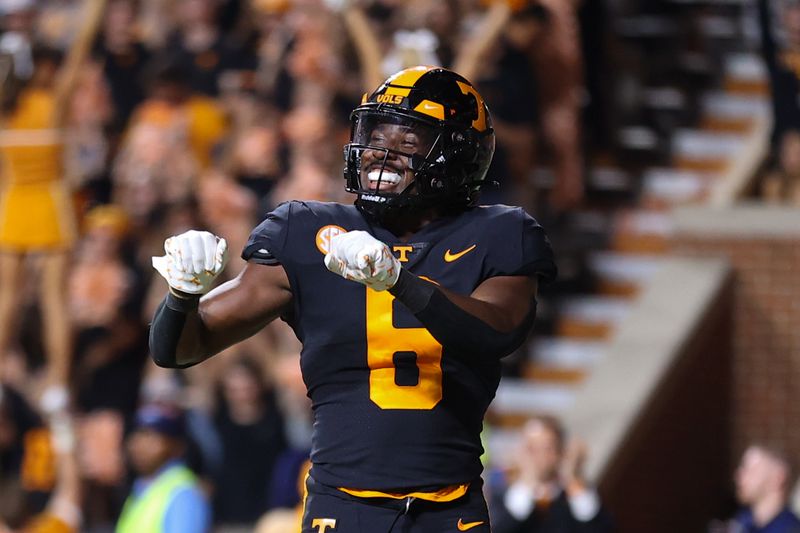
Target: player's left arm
{"points": [[502, 302], [494, 319]]}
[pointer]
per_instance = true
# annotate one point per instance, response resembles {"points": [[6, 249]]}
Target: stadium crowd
{"points": [[170, 115]]}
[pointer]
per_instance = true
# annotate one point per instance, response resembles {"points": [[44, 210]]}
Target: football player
{"points": [[405, 303]]}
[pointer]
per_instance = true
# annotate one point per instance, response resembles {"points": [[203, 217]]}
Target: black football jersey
{"points": [[393, 408]]}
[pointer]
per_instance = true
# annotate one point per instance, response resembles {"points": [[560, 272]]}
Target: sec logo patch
{"points": [[324, 236]]}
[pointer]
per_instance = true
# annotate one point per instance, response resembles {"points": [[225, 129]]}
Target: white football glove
{"points": [[193, 260], [358, 256]]}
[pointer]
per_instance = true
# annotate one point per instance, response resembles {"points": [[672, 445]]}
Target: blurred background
{"points": [[658, 143]]}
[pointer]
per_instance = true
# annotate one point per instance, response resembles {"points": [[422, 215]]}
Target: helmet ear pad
{"points": [[450, 169], [462, 150]]}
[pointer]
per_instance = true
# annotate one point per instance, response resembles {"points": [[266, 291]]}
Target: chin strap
{"points": [[403, 203]]}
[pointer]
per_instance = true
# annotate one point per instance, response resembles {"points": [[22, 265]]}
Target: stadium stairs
{"points": [[634, 354]]}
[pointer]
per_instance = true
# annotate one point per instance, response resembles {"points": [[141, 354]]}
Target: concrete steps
{"points": [[590, 317], [562, 360]]}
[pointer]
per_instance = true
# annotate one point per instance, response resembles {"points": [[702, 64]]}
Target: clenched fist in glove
{"points": [[193, 260], [358, 256]]}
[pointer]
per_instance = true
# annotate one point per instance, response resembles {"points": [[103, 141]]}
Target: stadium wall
{"points": [[655, 412], [762, 243], [672, 473]]}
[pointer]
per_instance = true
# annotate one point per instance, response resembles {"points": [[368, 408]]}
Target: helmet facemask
{"points": [[395, 161]]}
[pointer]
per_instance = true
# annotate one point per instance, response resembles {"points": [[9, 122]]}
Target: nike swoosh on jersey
{"points": [[450, 257], [469, 525]]}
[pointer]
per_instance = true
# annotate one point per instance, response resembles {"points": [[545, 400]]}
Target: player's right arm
{"points": [[187, 327]]}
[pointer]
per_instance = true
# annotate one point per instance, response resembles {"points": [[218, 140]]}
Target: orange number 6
{"points": [[383, 342]]}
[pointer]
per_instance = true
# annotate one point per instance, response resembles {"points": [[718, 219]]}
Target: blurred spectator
{"points": [[549, 493], [236, 193], [780, 45], [37, 215], [124, 59], [444, 20], [165, 495], [200, 48], [228, 208], [17, 39], [57, 24], [61, 511], [27, 469], [197, 119], [291, 393], [204, 454], [782, 184], [273, 43], [508, 82], [102, 465], [763, 481], [87, 146], [278, 521], [557, 62], [170, 140], [288, 478], [780, 42], [110, 346], [255, 159], [251, 430], [539, 61], [411, 48], [101, 436], [100, 280]]}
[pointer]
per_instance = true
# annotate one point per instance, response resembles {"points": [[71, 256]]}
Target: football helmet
{"points": [[424, 138]]}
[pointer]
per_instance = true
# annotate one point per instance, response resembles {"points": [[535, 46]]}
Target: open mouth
{"points": [[383, 177]]}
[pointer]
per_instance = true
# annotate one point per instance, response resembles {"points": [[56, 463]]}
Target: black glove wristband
{"points": [[181, 301], [413, 291]]}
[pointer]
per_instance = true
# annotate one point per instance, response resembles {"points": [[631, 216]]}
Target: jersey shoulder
{"points": [[295, 222], [498, 213], [516, 243]]}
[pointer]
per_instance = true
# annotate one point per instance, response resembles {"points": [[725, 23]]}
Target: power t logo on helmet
{"points": [[424, 138]]}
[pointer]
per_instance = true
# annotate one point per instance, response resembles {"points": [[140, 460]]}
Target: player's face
{"points": [[397, 174], [393, 145]]}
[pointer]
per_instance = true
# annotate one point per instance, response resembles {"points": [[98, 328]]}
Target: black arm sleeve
{"points": [[167, 327], [452, 326]]}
